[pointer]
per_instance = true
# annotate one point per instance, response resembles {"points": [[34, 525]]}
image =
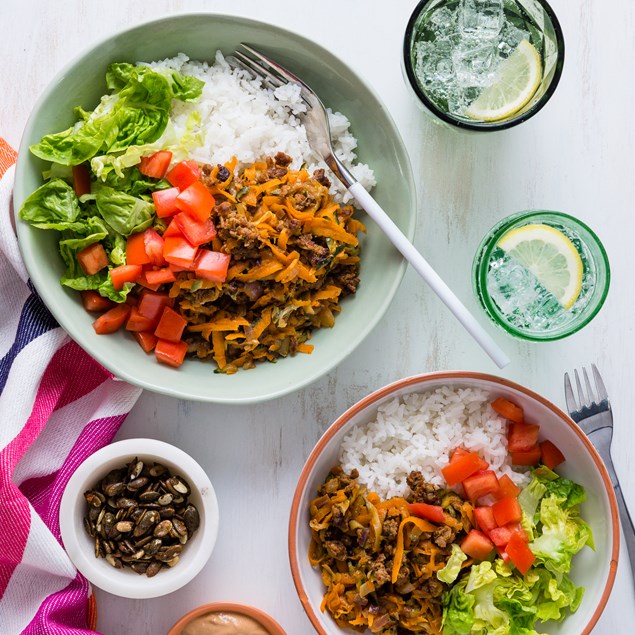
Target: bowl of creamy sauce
{"points": [[226, 619]]}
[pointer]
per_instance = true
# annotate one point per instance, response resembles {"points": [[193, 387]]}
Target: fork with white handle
{"points": [[593, 414], [315, 121]]}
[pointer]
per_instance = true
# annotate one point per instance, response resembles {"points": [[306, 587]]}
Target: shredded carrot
{"points": [[422, 524], [294, 257]]}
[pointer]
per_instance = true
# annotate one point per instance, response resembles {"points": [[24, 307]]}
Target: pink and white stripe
{"points": [[58, 406]]}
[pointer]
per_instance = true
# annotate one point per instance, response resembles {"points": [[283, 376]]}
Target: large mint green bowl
{"points": [[81, 83]]}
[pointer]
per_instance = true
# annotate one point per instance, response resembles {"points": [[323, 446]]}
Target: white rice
{"points": [[237, 116], [418, 431]]}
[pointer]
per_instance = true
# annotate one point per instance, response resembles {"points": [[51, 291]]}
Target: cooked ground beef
{"points": [[293, 256], [406, 545], [421, 491]]}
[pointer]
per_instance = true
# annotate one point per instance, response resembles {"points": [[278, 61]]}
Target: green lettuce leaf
{"points": [[452, 568], [180, 146], [563, 533], [567, 491], [494, 599], [108, 291], [136, 113], [480, 575], [458, 610], [124, 213], [184, 87], [70, 245], [134, 183], [115, 245], [54, 205]]}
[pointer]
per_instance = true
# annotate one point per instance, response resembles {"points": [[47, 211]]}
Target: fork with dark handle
{"points": [[316, 124], [593, 414]]}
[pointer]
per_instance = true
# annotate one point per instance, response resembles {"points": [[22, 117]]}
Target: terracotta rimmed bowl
{"points": [[81, 83], [255, 614], [593, 570]]}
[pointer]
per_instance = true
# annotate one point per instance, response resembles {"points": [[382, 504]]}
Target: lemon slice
{"points": [[550, 256], [516, 81]]}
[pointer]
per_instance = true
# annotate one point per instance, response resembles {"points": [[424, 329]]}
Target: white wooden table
{"points": [[577, 156]]}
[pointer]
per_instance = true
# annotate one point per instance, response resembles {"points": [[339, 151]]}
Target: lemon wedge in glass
{"points": [[550, 256], [516, 81]]}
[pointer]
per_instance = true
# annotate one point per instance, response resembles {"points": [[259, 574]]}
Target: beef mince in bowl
{"points": [[453, 508], [272, 127], [182, 230]]}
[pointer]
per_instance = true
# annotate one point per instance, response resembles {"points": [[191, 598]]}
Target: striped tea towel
{"points": [[57, 406]]}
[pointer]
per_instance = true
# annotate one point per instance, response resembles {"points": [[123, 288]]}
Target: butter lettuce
{"points": [[135, 113], [124, 213], [563, 533], [116, 165], [452, 568], [128, 123], [494, 599], [54, 205]]}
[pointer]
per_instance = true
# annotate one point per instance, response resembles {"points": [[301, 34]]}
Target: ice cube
{"points": [[510, 38], [433, 65], [475, 62], [443, 20], [481, 19]]}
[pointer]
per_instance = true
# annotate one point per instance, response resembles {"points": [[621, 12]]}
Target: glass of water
{"points": [[483, 64], [541, 275]]}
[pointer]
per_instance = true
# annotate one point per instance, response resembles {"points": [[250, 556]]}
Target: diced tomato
{"points": [[152, 304], [457, 453], [507, 510], [112, 320], [434, 513], [95, 303], [146, 339], [124, 273], [136, 250], [485, 518], [132, 300], [196, 200], [522, 436], [520, 553], [183, 174], [462, 467], [551, 455], [178, 251], [170, 353], [509, 410], [480, 484], [531, 457], [156, 165], [165, 201], [197, 232], [92, 258], [160, 276], [81, 180], [504, 557], [172, 230], [507, 487], [177, 268], [138, 322], [171, 325], [212, 265], [517, 528], [500, 536], [144, 282], [477, 545], [154, 246]]}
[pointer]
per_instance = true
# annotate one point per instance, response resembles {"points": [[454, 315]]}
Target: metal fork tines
{"points": [[592, 412]]}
